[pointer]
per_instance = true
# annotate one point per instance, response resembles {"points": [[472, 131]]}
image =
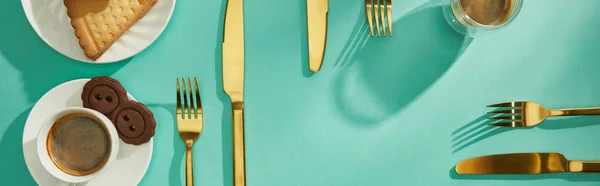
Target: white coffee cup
{"points": [[42, 150]]}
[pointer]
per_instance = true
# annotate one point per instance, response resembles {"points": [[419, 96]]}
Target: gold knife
{"points": [[316, 14], [525, 163], [233, 82]]}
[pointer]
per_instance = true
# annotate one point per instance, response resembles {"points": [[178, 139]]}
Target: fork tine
{"points": [[506, 118], [389, 15], [382, 12], [369, 7], [192, 108], [511, 111], [508, 104], [375, 9], [508, 124], [178, 97], [198, 101], [185, 102]]}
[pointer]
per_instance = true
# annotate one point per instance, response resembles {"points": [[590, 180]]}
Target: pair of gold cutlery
{"points": [[527, 114], [189, 119]]}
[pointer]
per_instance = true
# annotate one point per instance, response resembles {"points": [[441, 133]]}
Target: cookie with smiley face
{"points": [[135, 123], [103, 94]]}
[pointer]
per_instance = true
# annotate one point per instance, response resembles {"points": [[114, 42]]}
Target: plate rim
{"points": [[28, 164], [89, 61]]}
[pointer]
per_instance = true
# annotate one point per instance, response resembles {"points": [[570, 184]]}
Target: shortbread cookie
{"points": [[99, 23]]}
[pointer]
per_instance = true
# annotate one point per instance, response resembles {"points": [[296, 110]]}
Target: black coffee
{"points": [[488, 12], [78, 144]]}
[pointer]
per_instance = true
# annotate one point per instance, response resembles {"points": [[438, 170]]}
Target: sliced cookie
{"points": [[134, 122], [103, 94]]}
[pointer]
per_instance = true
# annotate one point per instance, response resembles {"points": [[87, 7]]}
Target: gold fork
{"points": [[189, 122], [529, 114], [379, 8]]}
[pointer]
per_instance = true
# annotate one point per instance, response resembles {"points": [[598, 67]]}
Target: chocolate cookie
{"points": [[103, 94], [134, 122]]}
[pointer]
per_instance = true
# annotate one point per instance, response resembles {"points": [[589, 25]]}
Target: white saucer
{"points": [[50, 21], [129, 167]]}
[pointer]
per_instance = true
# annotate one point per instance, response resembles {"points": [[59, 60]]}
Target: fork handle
{"points": [[584, 166], [239, 162], [576, 112], [189, 170]]}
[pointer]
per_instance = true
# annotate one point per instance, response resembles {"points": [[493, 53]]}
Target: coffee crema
{"points": [[488, 12], [78, 144]]}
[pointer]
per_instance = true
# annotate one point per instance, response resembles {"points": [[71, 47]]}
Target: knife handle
{"points": [[239, 162], [584, 166]]}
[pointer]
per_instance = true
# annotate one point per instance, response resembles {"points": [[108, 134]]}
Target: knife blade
{"points": [[316, 14], [233, 82], [233, 51], [524, 163]]}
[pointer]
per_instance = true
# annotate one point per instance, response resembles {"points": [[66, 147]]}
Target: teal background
{"points": [[382, 111]]}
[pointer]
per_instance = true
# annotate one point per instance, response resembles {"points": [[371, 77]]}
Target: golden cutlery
{"points": [[525, 163], [233, 82], [378, 10], [529, 114], [189, 122], [316, 14]]}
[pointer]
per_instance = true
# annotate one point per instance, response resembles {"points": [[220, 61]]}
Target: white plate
{"points": [[129, 167], [50, 21]]}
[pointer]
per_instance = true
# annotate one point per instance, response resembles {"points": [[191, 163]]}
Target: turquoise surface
{"points": [[382, 111]]}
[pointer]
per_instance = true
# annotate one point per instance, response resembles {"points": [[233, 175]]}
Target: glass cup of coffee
{"points": [[77, 144], [469, 16]]}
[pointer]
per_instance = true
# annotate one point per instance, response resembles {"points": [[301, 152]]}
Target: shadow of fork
{"points": [[478, 129], [569, 122], [178, 145], [358, 38], [473, 132]]}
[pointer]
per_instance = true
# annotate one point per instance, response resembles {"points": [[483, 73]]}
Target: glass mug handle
{"points": [[63, 183]]}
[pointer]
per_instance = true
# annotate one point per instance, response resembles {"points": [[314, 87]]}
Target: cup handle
{"points": [[63, 183]]}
